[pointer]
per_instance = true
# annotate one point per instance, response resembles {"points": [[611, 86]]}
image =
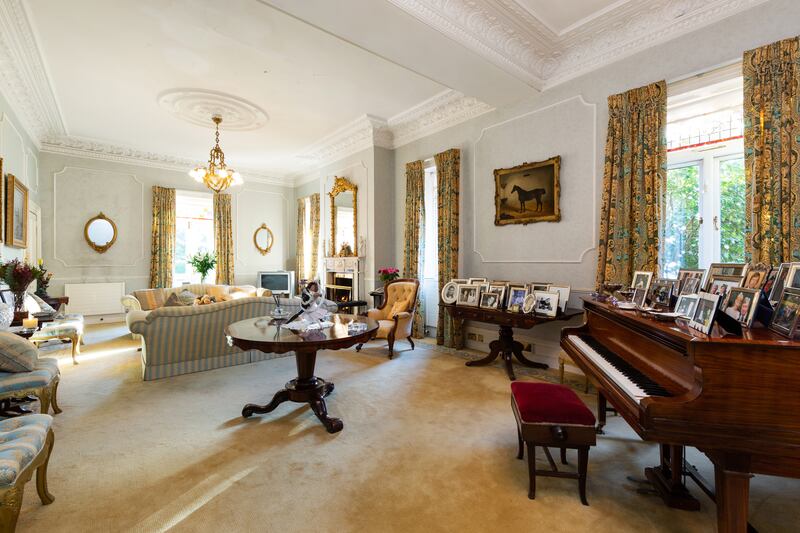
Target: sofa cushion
{"points": [[150, 299], [16, 353], [172, 301], [21, 440], [187, 297]]}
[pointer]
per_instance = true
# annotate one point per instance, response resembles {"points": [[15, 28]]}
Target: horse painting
{"points": [[527, 196], [528, 193]]}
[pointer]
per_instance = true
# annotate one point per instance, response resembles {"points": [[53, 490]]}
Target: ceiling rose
{"points": [[196, 105]]}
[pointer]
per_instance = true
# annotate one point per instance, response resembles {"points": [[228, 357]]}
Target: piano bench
{"points": [[552, 415]]}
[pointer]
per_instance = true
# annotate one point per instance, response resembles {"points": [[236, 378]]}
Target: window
{"points": [[194, 232], [307, 251], [430, 259], [704, 209]]}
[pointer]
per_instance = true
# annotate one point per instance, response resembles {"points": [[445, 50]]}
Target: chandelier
{"points": [[216, 175]]}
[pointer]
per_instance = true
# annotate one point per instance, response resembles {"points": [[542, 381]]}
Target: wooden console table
{"points": [[505, 345]]}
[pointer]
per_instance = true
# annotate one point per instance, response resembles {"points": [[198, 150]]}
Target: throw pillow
{"points": [[46, 307], [187, 297], [16, 353], [173, 301], [397, 308], [216, 291], [150, 298], [31, 305]]}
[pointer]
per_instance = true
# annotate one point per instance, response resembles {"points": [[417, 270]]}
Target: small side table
{"points": [[377, 297]]}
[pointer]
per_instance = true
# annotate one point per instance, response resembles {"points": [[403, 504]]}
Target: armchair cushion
{"points": [[398, 307], [16, 353]]}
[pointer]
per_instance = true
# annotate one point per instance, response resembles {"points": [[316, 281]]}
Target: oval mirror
{"points": [[100, 233], [263, 239]]}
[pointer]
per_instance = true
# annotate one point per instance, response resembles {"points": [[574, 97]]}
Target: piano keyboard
{"points": [[635, 384]]}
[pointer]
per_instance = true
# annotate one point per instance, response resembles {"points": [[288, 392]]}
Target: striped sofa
{"points": [[181, 340]]}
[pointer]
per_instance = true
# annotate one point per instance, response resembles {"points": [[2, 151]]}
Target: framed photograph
{"points": [[468, 295], [685, 274], [722, 285], [500, 291], [475, 281], [784, 319], [527, 193], [690, 285], [482, 287], [16, 212], [767, 288], [563, 295], [529, 304], [639, 297], [703, 318], [793, 278], [546, 303], [756, 277], [686, 305], [661, 293], [489, 300], [780, 282], [460, 281], [450, 292], [725, 269], [516, 296], [741, 305], [641, 280], [538, 286]]}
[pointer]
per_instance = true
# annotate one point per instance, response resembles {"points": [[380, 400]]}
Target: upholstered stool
{"points": [[25, 445], [552, 415]]}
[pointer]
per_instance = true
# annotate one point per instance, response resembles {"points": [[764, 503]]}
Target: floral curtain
{"points": [[314, 206], [301, 230], [634, 184], [448, 172], [223, 238], [162, 247], [772, 151], [415, 237]]}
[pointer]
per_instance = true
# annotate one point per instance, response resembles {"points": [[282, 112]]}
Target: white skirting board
{"points": [[95, 298]]}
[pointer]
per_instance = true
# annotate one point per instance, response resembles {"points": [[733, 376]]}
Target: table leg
{"points": [[524, 360], [495, 348], [250, 409], [508, 358]]}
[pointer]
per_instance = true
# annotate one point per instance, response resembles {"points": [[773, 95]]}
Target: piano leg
{"points": [[667, 479], [601, 412], [732, 493]]}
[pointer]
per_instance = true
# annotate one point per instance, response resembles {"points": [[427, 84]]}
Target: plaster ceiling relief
{"points": [[545, 43], [197, 106]]}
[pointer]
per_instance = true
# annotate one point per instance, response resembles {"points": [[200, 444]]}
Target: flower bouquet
{"points": [[18, 276], [43, 278], [388, 274]]}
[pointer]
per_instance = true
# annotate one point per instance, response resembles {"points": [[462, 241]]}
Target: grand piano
{"points": [[734, 397]]}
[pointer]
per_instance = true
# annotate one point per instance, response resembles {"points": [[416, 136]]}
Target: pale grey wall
{"points": [[20, 158], [75, 189]]}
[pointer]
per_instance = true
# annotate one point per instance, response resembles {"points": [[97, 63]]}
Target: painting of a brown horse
{"points": [[527, 196]]}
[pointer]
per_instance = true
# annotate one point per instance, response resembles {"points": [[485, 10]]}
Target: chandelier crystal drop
{"points": [[216, 175]]}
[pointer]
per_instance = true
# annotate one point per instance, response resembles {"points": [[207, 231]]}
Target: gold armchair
{"points": [[396, 316]]}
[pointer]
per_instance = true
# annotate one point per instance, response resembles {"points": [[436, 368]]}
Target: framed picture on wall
{"points": [[16, 212], [527, 193]]}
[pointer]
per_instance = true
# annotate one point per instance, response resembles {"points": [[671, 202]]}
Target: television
{"points": [[280, 282]]}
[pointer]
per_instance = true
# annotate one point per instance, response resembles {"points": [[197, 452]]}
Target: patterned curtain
{"points": [[314, 234], [448, 172], [415, 237], [772, 151], [301, 222], [162, 247], [634, 184], [223, 238]]}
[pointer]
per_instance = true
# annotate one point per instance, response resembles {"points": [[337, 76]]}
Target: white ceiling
{"points": [[301, 82]]}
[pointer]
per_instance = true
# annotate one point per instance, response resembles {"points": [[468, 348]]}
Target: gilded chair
{"points": [[396, 316]]}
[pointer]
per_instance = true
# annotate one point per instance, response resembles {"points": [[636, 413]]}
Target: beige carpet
{"points": [[428, 445]]}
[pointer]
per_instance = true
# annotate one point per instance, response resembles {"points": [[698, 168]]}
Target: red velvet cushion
{"points": [[549, 403]]}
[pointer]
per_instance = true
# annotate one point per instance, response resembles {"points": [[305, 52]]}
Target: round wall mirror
{"points": [[100, 233], [263, 239]]}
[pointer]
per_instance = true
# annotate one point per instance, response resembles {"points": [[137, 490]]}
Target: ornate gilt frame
{"points": [[341, 185], [264, 251], [12, 184], [555, 162], [97, 248]]}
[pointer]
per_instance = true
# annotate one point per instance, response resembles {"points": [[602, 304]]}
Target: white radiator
{"points": [[95, 298]]}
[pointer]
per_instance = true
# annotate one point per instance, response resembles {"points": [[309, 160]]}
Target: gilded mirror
{"points": [[344, 218], [100, 233], [263, 239]]}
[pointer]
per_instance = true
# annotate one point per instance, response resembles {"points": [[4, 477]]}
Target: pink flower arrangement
{"points": [[388, 274]]}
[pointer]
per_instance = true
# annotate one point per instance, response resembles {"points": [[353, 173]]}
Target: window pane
{"points": [[732, 210], [681, 220], [194, 232]]}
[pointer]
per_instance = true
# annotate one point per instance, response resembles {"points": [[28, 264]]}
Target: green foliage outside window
{"points": [[681, 248], [732, 210]]}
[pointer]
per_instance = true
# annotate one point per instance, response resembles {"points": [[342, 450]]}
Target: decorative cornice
{"points": [[23, 76], [92, 149], [513, 38]]}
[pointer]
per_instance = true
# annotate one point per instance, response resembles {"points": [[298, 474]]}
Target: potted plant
{"points": [[203, 263], [388, 274]]}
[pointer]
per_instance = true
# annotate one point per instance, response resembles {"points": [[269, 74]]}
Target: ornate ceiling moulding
{"points": [[196, 105], [513, 38]]}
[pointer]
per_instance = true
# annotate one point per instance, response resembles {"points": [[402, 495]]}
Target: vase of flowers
{"points": [[18, 275], [388, 274], [203, 263], [43, 278]]}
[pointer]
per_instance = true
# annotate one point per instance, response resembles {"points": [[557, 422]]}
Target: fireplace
{"points": [[339, 286], [342, 279]]}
